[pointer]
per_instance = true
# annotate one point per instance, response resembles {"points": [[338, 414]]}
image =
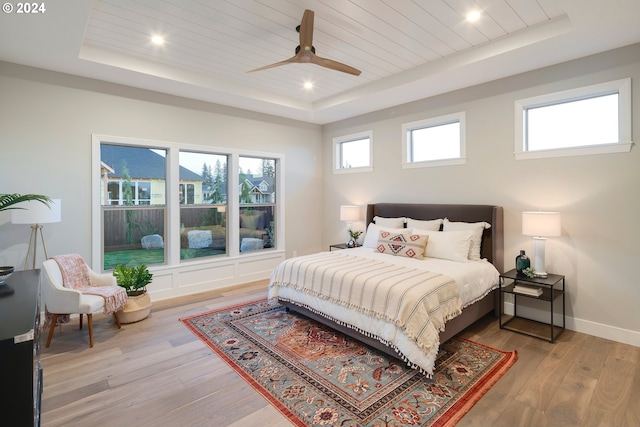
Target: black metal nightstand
{"points": [[338, 246], [544, 289]]}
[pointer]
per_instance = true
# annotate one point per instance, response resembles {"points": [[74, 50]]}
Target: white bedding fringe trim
{"points": [[363, 332]]}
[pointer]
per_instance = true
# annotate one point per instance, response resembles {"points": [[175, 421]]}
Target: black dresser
{"points": [[20, 372]]}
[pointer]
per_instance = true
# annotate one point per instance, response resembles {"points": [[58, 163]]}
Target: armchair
{"points": [[61, 300]]}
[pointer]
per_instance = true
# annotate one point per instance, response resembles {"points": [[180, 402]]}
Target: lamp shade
{"points": [[349, 213], [34, 212], [541, 224]]}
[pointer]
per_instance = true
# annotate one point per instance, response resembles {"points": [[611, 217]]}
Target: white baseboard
{"points": [[624, 336]]}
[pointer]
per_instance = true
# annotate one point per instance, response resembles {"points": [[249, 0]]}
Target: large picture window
{"points": [[588, 120], [159, 203]]}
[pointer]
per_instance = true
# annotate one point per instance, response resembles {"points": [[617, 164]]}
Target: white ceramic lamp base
{"points": [[539, 256]]}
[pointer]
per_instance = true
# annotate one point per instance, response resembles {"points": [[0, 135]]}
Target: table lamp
{"points": [[540, 225], [349, 214]]}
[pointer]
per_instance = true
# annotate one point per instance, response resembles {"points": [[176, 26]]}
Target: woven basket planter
{"points": [[136, 309]]}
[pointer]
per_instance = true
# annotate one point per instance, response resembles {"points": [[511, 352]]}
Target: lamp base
{"points": [[541, 275]]}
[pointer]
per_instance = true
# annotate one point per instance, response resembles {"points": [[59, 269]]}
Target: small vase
{"points": [[522, 262]]}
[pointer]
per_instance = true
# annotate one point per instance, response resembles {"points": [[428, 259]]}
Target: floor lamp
{"points": [[36, 214]]}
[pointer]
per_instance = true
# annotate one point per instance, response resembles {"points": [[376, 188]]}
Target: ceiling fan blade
{"points": [[292, 60], [305, 52], [306, 30], [334, 65]]}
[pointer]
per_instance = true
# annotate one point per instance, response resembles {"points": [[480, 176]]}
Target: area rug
{"points": [[316, 376]]}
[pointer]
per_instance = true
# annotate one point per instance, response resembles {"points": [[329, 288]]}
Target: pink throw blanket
{"points": [[75, 275]]}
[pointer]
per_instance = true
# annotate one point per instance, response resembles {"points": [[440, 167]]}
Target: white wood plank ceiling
{"points": [[209, 45]]}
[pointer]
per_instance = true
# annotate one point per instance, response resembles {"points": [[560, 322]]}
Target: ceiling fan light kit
{"points": [[305, 52]]}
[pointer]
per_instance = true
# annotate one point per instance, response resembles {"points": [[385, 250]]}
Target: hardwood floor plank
{"points": [[157, 373]]}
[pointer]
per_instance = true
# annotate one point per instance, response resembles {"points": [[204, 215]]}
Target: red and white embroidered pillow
{"points": [[402, 244]]}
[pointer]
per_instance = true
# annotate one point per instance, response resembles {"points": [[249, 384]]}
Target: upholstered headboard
{"points": [[492, 246]]}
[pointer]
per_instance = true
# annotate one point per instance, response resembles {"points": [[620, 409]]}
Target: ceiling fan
{"points": [[306, 53]]}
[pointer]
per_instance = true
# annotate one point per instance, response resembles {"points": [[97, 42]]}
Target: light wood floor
{"points": [[157, 373]]}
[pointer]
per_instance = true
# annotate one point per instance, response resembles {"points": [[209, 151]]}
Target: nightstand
{"points": [[543, 289], [338, 246]]}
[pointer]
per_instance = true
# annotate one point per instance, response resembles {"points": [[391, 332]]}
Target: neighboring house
{"points": [[147, 172], [260, 190]]}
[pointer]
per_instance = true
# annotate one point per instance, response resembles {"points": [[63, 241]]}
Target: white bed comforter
{"points": [[457, 286]]}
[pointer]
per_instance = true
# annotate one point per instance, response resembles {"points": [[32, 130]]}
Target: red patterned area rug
{"points": [[318, 377]]}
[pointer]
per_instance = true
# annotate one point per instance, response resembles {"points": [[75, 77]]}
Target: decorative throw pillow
{"points": [[433, 224], [451, 245], [373, 232], [476, 239], [390, 222], [402, 244]]}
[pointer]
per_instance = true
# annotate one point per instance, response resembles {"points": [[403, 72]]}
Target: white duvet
{"points": [[474, 280]]}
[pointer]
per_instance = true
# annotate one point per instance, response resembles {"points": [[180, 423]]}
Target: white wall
{"points": [[597, 195], [46, 123]]}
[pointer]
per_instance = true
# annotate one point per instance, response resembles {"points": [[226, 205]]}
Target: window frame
{"points": [[172, 213], [406, 128], [337, 157], [621, 87]]}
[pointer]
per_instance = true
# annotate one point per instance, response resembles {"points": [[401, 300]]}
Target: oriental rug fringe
{"points": [[316, 376]]}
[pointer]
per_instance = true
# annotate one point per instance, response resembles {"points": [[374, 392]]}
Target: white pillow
{"points": [[476, 239], [373, 232], [389, 222], [451, 245], [433, 224]]}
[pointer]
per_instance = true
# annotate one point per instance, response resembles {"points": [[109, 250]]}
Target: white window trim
{"points": [[432, 122], [622, 87], [348, 138], [173, 204]]}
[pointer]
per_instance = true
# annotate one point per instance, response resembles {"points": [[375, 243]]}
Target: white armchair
{"points": [[60, 300]]}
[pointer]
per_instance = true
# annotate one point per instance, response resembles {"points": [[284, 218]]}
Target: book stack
{"points": [[527, 290]]}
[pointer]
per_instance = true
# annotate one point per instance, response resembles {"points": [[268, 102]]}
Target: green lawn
{"points": [[151, 256]]}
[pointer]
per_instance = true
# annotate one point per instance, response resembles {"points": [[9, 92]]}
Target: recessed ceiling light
{"points": [[473, 16], [308, 85], [157, 40]]}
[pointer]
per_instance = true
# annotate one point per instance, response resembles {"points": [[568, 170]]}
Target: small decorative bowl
{"points": [[5, 272]]}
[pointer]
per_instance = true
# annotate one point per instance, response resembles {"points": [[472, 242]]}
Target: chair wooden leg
{"points": [[90, 323], [115, 316], [54, 320], [80, 320]]}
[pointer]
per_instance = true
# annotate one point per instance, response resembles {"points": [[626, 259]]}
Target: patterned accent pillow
{"points": [[402, 244]]}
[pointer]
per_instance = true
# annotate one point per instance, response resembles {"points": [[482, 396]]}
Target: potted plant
{"points": [[7, 201], [354, 234], [134, 280]]}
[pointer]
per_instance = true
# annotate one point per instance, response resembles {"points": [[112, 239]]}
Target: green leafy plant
{"points": [[7, 201], [529, 272], [133, 279], [355, 234]]}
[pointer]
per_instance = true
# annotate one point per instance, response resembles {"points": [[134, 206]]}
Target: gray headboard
{"points": [[492, 246]]}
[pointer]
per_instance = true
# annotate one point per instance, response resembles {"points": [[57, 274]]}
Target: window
{"points": [[257, 203], [437, 141], [134, 205], [588, 120], [352, 153], [159, 203], [203, 204]]}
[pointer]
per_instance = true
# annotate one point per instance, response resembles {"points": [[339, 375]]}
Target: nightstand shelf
{"points": [[338, 246], [553, 287]]}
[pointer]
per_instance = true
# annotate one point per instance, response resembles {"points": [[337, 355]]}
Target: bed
{"points": [[319, 285]]}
